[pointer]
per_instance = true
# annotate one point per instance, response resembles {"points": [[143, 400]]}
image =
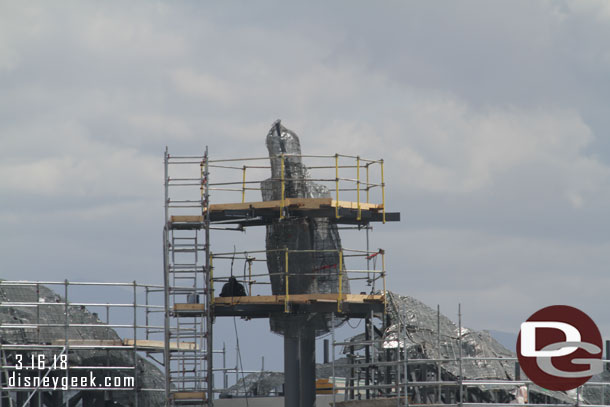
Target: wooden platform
{"points": [[145, 344], [263, 306], [299, 299], [189, 398], [264, 212], [89, 342], [301, 203], [189, 309], [142, 344]]}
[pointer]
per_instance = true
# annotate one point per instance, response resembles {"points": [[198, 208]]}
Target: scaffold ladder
{"points": [[188, 325]]}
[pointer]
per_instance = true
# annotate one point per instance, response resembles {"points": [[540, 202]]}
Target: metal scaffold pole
{"points": [[208, 289], [166, 362]]}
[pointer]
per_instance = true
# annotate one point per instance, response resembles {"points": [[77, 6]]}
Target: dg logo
{"points": [[560, 348]]}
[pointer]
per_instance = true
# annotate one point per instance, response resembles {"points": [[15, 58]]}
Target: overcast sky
{"points": [[492, 117]]}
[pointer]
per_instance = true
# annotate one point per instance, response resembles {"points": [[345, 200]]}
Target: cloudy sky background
{"points": [[492, 117]]}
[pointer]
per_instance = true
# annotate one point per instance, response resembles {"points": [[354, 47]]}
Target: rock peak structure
{"points": [[318, 243], [315, 267]]}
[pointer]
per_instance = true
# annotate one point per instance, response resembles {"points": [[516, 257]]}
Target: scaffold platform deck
{"points": [[264, 212], [262, 306]]}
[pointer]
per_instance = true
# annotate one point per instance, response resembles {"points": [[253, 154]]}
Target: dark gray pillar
{"points": [[326, 352], [291, 369], [307, 368]]}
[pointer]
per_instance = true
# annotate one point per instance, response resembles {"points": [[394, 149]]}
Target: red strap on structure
{"points": [[375, 254], [328, 266]]}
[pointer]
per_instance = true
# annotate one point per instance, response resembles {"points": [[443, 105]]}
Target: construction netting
{"points": [[316, 267]]}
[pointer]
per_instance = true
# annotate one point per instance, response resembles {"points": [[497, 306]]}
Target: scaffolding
{"points": [[38, 327], [377, 366], [48, 338], [358, 199], [349, 194], [188, 372]]}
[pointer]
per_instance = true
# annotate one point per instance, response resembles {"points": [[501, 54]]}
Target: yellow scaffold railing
{"points": [[342, 273], [345, 187]]}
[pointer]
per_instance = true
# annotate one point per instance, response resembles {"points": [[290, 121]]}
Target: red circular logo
{"points": [[560, 348]]}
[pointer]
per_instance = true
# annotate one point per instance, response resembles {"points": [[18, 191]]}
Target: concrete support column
{"points": [[307, 350], [291, 369]]}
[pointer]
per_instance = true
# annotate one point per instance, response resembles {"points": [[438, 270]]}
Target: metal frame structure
{"points": [[187, 273], [136, 324], [188, 262], [363, 202], [390, 374], [43, 346]]}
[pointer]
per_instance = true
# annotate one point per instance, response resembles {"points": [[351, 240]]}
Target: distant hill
{"points": [[507, 339]]}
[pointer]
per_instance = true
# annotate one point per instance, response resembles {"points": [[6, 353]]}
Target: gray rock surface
{"points": [[51, 312]]}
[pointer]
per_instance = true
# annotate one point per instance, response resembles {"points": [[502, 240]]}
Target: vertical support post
{"points": [[382, 190], [37, 313], [332, 332], [368, 186], [340, 299], [243, 186], [287, 278], [250, 282], [292, 396], [225, 377], [374, 377], [146, 322], [135, 342], [66, 328], [211, 273], [166, 281], [307, 365], [358, 187], [368, 259], [438, 347], [461, 390], [209, 283], [201, 187], [404, 330], [326, 351], [337, 185], [398, 365], [385, 301], [352, 374], [283, 182], [607, 355]]}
